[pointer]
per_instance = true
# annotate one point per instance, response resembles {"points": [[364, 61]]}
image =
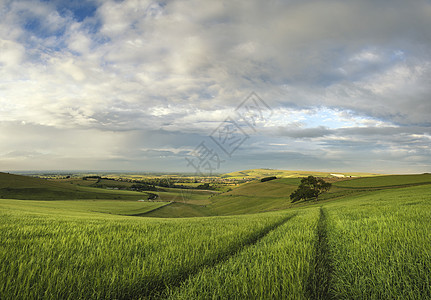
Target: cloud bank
{"points": [[137, 85]]}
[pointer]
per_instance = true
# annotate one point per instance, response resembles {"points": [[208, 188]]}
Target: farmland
{"points": [[115, 256], [368, 238], [28, 188]]}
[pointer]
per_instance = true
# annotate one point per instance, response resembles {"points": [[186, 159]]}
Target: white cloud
{"points": [[366, 56], [11, 54]]}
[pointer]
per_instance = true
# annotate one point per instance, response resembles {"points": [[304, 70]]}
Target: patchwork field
{"points": [[259, 173], [370, 238]]}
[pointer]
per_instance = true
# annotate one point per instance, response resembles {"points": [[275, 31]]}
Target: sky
{"points": [[215, 86]]}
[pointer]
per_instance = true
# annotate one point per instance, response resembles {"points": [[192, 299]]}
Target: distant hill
{"points": [[251, 197], [386, 181], [31, 188], [257, 196], [260, 173]]}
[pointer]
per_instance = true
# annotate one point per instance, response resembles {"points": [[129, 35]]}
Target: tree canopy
{"points": [[309, 188]]}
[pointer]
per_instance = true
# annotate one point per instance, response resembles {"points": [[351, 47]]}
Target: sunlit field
{"points": [[370, 244]]}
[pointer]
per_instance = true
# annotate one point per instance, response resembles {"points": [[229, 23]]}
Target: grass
{"points": [[116, 207], [276, 267], [94, 256], [381, 245], [179, 210], [273, 188], [254, 197], [362, 244], [247, 198], [319, 281], [190, 196], [386, 181]]}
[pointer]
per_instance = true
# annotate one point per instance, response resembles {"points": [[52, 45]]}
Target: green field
{"points": [[381, 245], [368, 238], [386, 181], [65, 207], [190, 196], [256, 196], [248, 198], [276, 267], [84, 255]]}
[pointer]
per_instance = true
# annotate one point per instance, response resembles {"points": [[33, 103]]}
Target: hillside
{"points": [[254, 197], [386, 181], [251, 197], [371, 245], [30, 188], [259, 173], [257, 196]]}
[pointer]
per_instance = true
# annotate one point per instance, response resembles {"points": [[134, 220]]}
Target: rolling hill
{"points": [[371, 244], [254, 197], [257, 196], [251, 197], [386, 181], [259, 173], [30, 188]]}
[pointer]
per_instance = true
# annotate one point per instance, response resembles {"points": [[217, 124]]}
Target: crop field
{"points": [[250, 197], [386, 181], [259, 173], [105, 256], [381, 246], [200, 197], [65, 207], [28, 188], [359, 244], [261, 270]]}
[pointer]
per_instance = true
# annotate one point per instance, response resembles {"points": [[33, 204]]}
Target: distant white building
{"points": [[338, 175]]}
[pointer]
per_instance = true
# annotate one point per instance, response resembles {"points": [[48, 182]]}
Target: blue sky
{"points": [[140, 85]]}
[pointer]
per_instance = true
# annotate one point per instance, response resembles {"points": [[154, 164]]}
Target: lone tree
{"points": [[268, 178], [310, 187]]}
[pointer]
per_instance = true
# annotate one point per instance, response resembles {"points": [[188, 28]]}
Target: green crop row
{"points": [[374, 245], [78, 207], [101, 257], [277, 267], [381, 245]]}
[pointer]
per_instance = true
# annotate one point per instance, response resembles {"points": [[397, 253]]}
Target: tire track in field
{"points": [[319, 281], [160, 291], [152, 210]]}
